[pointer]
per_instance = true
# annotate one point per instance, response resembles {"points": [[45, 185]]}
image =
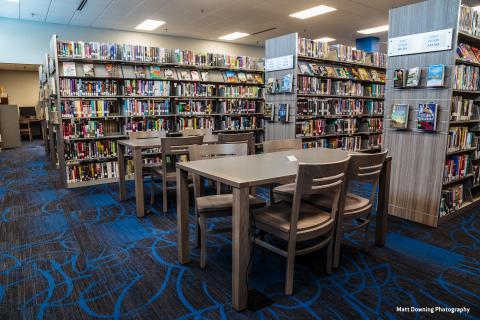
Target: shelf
{"points": [[217, 98], [96, 182], [459, 180], [97, 159], [302, 117], [237, 130], [459, 91], [145, 63], [94, 118], [115, 136], [342, 79], [464, 122], [335, 135], [308, 95], [461, 151], [467, 206], [341, 63], [465, 37], [468, 63]]}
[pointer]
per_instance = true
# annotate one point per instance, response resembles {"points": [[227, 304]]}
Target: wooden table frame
{"points": [[240, 216]]}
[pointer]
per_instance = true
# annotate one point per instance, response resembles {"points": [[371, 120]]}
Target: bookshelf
{"points": [[331, 104], [436, 174], [103, 91]]}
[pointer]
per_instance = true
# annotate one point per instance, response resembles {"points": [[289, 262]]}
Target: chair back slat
{"points": [[212, 151], [281, 145], [247, 138], [147, 134], [179, 145], [196, 132]]}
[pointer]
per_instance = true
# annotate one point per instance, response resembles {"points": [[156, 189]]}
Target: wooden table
{"points": [[137, 146], [251, 171]]}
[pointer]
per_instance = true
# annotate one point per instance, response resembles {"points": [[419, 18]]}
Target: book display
{"points": [[336, 98], [104, 91], [441, 136]]}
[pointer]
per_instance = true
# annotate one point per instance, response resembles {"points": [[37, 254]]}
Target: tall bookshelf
{"points": [[104, 91], [330, 103], [425, 185]]}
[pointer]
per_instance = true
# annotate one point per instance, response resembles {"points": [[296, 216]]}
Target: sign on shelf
{"points": [[439, 40], [279, 63]]}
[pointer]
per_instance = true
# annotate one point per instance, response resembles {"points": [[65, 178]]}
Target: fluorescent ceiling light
{"points": [[234, 36], [374, 30], [312, 12], [149, 25], [354, 48], [476, 8], [324, 39]]}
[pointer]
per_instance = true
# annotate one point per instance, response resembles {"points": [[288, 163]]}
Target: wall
{"points": [[21, 86], [27, 42]]}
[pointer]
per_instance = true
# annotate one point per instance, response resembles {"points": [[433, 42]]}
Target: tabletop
{"points": [[260, 169], [147, 143]]}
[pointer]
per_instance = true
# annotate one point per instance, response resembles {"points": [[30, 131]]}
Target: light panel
{"points": [[233, 36], [312, 12], [325, 39], [149, 25], [374, 30]]}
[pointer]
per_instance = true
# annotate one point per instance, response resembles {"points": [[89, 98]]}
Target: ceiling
{"points": [[210, 19]]}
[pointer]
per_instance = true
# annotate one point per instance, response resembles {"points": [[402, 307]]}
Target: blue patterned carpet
{"points": [[81, 254]]}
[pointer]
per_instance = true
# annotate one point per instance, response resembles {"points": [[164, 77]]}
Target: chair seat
{"points": [[353, 202], [218, 204], [278, 217]]}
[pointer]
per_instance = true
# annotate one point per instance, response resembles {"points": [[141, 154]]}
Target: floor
{"points": [[81, 254]]}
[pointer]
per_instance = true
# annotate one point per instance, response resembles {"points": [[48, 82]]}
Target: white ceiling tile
{"points": [[91, 11], [34, 10], [9, 9], [61, 11]]}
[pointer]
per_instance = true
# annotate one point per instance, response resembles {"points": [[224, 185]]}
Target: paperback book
{"points": [[69, 69], [436, 75], [88, 70], [427, 117], [283, 110], [169, 74], [269, 111], [155, 72], [400, 116], [195, 75], [140, 72], [413, 77], [287, 83], [399, 79]]}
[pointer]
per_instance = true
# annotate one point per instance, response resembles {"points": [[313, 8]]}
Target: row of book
{"points": [[339, 52], [90, 70], [88, 88], [138, 53], [459, 138], [452, 199], [329, 107], [469, 20], [357, 143], [132, 107], [90, 150], [149, 88], [466, 78], [89, 108], [353, 73], [192, 89], [469, 53], [456, 167], [309, 85], [279, 86], [319, 127], [92, 171], [462, 109], [91, 129]]}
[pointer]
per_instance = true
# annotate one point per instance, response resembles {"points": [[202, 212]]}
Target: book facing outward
{"points": [[269, 111], [283, 111], [251, 78], [155, 72], [427, 116], [259, 78], [169, 74], [399, 79], [231, 77], [88, 70], [400, 116], [204, 75], [242, 77], [69, 69], [111, 70], [413, 77], [195, 75], [185, 75], [140, 72], [436, 75], [287, 83]]}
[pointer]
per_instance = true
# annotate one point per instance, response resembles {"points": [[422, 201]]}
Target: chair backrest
{"points": [[247, 138], [366, 168], [212, 151], [318, 178], [178, 145], [196, 132], [146, 134], [281, 145]]}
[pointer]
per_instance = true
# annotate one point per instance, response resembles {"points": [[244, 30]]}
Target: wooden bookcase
{"points": [[232, 106], [418, 158], [288, 45]]}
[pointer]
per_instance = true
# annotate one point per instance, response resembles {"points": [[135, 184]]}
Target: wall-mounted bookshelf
{"points": [[437, 172], [336, 98], [104, 91]]}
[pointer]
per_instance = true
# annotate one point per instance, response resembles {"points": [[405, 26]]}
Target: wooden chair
{"points": [[25, 128], [172, 147], [147, 167], [365, 168], [277, 146], [299, 221], [219, 205], [197, 132], [247, 138]]}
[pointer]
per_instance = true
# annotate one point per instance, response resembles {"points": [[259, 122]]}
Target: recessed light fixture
{"points": [[149, 25], [476, 8], [374, 30], [312, 12], [324, 39], [354, 48], [233, 36]]}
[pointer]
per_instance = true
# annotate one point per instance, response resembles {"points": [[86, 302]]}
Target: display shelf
{"points": [[339, 63], [450, 153]]}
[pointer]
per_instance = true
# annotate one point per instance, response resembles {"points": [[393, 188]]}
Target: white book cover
{"points": [[69, 69]]}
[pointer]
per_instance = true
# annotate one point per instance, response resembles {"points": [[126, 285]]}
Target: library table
{"points": [[137, 146], [245, 172]]}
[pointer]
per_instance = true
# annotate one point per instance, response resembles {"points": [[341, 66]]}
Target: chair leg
{"points": [[199, 240], [290, 269], [165, 195], [366, 237], [152, 191], [330, 256], [272, 199], [203, 242]]}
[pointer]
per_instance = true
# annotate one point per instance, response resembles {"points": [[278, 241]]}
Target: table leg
{"points": [[121, 173], [138, 164], [382, 204], [240, 247], [182, 217]]}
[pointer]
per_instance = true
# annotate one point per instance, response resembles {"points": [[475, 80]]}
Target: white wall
{"points": [[27, 42], [21, 86]]}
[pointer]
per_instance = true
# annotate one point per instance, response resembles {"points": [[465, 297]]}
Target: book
{"points": [[271, 86], [111, 70], [184, 75], [436, 75], [399, 79], [413, 77], [155, 72], [259, 78], [400, 116], [304, 69], [287, 83], [195, 75], [251, 78], [140, 72], [69, 69], [427, 117], [88, 70], [169, 74], [242, 77], [269, 111], [231, 76], [330, 71], [283, 111], [364, 74], [314, 68], [374, 75], [204, 75]]}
